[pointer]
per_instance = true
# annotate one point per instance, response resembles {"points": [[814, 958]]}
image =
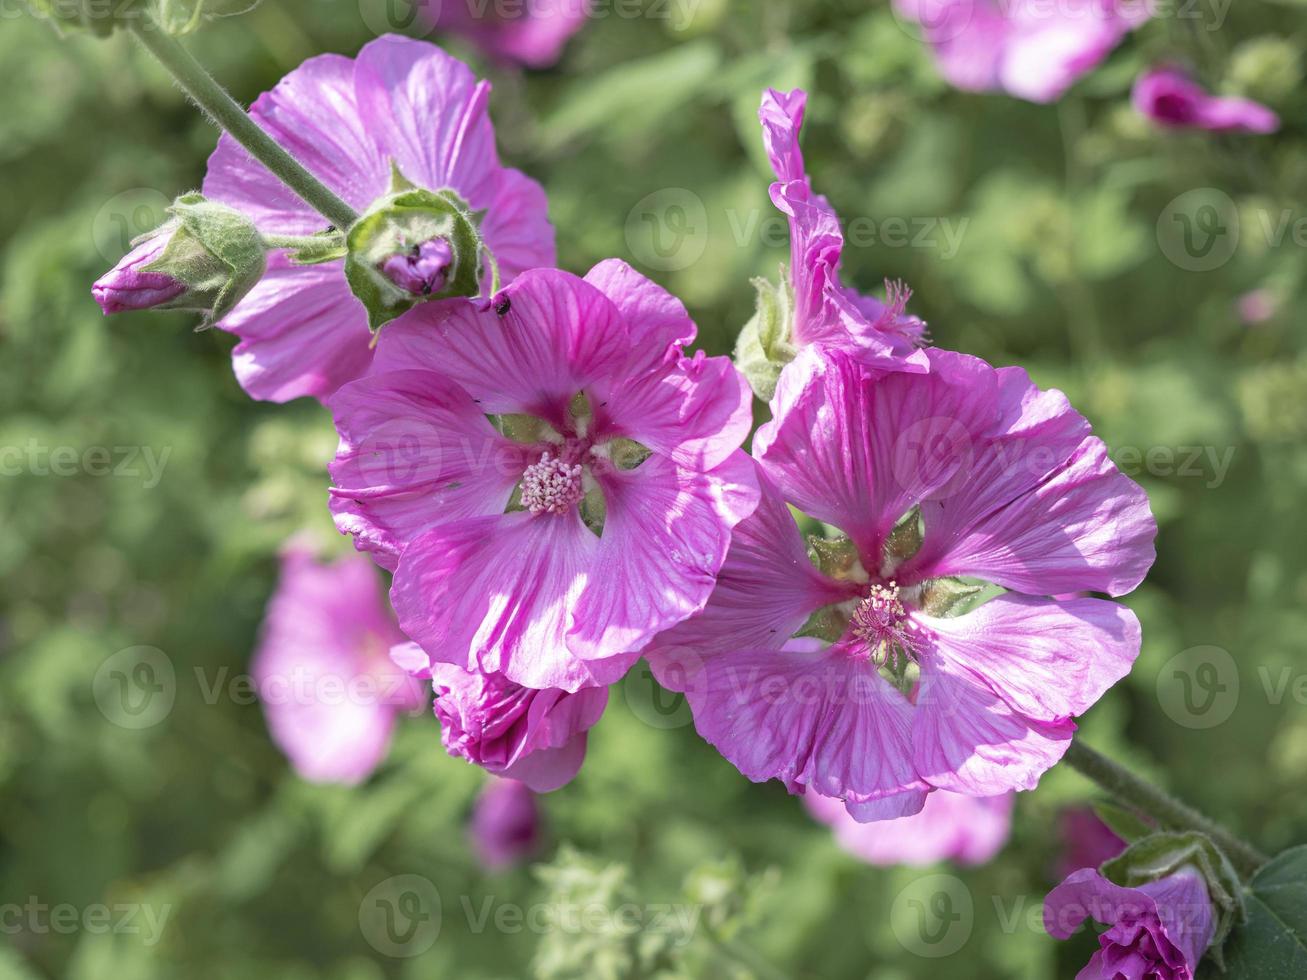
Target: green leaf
{"points": [[1272, 944]]}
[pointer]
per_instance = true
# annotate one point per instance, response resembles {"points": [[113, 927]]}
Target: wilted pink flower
{"points": [[505, 825], [591, 515], [1032, 49], [127, 286], [1171, 99], [525, 32], [887, 696], [534, 736], [950, 827], [826, 312], [1087, 842], [400, 104], [322, 670], [1159, 930]]}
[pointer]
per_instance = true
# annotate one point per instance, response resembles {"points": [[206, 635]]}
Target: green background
{"points": [[1071, 263]]}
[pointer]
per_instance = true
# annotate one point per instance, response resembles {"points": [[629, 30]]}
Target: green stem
{"points": [[1143, 796], [226, 113]]}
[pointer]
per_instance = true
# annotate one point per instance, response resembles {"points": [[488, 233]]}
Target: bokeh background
{"points": [[1047, 236]]}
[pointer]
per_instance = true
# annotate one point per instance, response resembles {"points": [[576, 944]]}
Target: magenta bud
{"points": [[127, 286], [505, 826], [422, 270]]}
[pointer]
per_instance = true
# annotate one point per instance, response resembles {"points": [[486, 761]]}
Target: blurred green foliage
{"points": [[1039, 236]]}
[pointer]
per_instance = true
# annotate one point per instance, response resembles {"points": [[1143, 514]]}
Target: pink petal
{"points": [[665, 535], [858, 449], [557, 336], [695, 411], [1047, 659], [302, 333], [969, 740], [495, 594], [766, 590], [314, 114], [429, 111], [781, 116], [817, 719], [516, 226], [657, 320], [1084, 527], [415, 451]]}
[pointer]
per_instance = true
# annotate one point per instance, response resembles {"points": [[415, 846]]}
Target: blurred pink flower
{"points": [[1172, 100], [1258, 306], [524, 32], [950, 827], [1032, 49], [329, 690], [505, 828], [1159, 930]]}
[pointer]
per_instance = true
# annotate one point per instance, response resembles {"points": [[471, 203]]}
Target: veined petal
{"points": [[415, 451], [1048, 660], [818, 719], [666, 533], [496, 594], [557, 335], [969, 740], [657, 320]]}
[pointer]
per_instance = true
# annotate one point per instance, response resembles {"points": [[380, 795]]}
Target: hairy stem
{"points": [[1143, 796], [226, 113]]}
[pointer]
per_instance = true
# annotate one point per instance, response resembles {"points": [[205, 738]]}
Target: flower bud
{"points": [[765, 345], [413, 245], [204, 259]]}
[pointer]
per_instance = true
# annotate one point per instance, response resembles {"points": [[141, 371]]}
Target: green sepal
{"points": [[948, 596], [764, 346], [827, 623], [398, 223], [836, 557], [1159, 855], [214, 251]]}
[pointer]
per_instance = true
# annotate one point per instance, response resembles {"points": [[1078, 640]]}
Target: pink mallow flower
{"points": [[401, 104], [889, 694], [590, 513], [826, 312], [1032, 49], [950, 827], [505, 828], [1172, 100], [524, 32], [1158, 930], [534, 736], [329, 690]]}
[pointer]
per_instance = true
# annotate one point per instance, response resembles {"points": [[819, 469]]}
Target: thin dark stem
{"points": [[1143, 796], [226, 113]]}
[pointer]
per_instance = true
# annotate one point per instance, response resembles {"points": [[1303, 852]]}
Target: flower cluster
{"points": [[556, 485]]}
